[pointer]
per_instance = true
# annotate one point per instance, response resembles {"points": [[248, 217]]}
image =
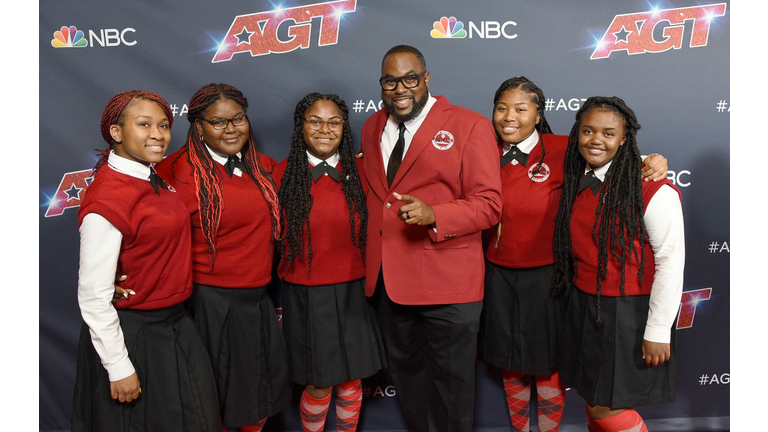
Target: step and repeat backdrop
{"points": [[668, 60]]}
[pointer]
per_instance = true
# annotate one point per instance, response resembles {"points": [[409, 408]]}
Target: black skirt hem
{"points": [[521, 322], [331, 333], [245, 343], [604, 363]]}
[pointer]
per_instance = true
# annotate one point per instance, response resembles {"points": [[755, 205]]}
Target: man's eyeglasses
{"points": [[409, 81]]}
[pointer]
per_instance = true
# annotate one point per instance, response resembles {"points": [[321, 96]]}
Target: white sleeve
{"points": [[664, 223], [99, 250]]}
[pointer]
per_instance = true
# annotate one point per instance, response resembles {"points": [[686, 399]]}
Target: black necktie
{"points": [[323, 168], [234, 162], [397, 155], [156, 181], [590, 180], [514, 154]]}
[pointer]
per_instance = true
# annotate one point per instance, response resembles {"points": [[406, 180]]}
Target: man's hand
{"points": [[415, 211]]}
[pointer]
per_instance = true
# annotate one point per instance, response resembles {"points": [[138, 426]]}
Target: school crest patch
{"points": [[443, 140], [542, 174]]}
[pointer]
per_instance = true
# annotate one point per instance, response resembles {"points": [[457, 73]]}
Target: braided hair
{"points": [[114, 114], [294, 194], [536, 95], [205, 173], [619, 213]]}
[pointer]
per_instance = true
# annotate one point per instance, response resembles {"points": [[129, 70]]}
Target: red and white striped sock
{"points": [[349, 398], [550, 393], [313, 412], [518, 389]]}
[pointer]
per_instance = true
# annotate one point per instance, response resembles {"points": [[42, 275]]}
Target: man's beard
{"points": [[418, 105]]}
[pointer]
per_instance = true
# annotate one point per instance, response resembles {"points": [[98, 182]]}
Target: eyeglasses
{"points": [[317, 124], [220, 123], [409, 81]]}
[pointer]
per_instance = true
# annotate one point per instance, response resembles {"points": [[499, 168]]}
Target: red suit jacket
{"points": [[452, 164]]}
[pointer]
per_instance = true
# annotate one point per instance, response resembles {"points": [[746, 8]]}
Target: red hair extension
{"points": [[113, 115], [207, 182]]}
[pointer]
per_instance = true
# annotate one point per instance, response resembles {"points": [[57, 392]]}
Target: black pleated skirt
{"points": [[178, 391], [520, 323], [605, 363], [242, 333], [332, 333]]}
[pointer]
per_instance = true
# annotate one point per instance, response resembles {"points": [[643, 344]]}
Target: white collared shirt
{"points": [[391, 133], [663, 220], [128, 167], [525, 146], [223, 159], [332, 161]]}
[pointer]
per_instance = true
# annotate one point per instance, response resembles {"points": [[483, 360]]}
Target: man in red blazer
{"points": [[434, 186]]}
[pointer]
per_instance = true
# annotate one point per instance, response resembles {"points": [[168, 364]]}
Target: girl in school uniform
{"points": [[331, 332], [521, 320], [620, 243], [141, 363], [231, 201]]}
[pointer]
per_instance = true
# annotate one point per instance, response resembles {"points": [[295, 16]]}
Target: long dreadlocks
{"points": [[294, 194], [207, 181], [619, 213]]}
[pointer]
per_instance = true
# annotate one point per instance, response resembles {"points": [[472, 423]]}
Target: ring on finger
{"points": [[407, 215]]}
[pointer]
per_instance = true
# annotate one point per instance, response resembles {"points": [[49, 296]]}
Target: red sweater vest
{"points": [[585, 250], [335, 259], [530, 208], [244, 239], [155, 252]]}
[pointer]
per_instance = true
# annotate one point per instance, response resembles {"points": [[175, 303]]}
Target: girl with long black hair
{"points": [[620, 243], [331, 332]]}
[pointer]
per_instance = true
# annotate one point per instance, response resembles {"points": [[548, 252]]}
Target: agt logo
{"points": [[452, 28], [258, 33], [634, 33], [688, 304], [71, 37], [70, 192]]}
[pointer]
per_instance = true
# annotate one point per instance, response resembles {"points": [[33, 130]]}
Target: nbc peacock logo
{"points": [[69, 37], [448, 28]]}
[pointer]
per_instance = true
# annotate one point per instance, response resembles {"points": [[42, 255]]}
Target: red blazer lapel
{"points": [[428, 129], [374, 165]]}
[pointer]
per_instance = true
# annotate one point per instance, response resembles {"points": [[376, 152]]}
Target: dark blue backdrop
{"points": [[670, 64]]}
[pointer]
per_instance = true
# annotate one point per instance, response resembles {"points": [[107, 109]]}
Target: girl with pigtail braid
{"points": [[620, 242], [521, 319], [226, 185], [331, 332]]}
